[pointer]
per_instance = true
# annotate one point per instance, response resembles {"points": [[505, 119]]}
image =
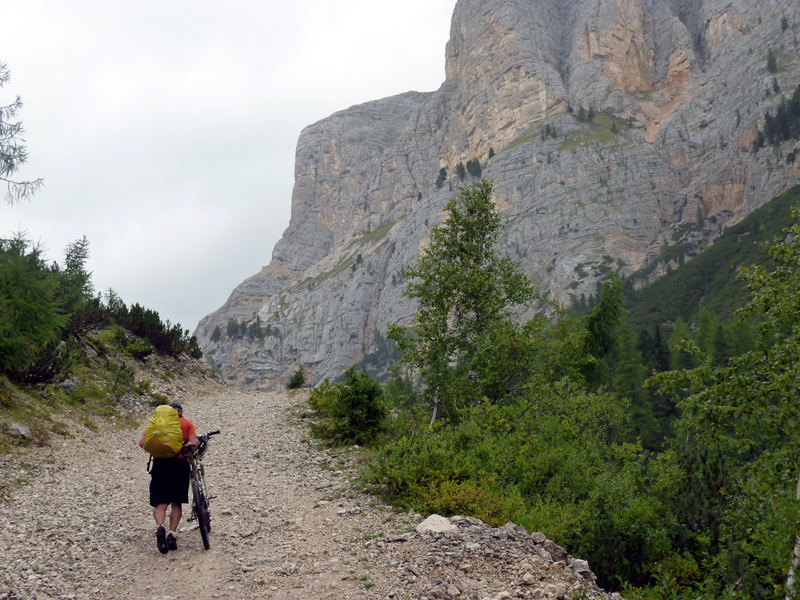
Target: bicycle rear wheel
{"points": [[201, 512]]}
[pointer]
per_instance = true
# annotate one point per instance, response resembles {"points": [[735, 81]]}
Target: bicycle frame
{"points": [[200, 492]]}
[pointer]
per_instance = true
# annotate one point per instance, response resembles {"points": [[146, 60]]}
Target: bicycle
{"points": [[200, 491]]}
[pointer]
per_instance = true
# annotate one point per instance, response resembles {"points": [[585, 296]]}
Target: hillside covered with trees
{"points": [[61, 343], [668, 457]]}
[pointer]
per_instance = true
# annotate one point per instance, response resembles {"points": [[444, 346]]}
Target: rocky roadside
{"points": [[287, 523]]}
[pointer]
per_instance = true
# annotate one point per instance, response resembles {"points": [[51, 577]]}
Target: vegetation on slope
{"points": [[546, 423], [67, 354], [63, 350], [711, 279]]}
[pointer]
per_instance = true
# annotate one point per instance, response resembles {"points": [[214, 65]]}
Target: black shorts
{"points": [[169, 481]]}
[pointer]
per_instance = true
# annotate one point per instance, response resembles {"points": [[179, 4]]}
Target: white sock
{"points": [[172, 533]]}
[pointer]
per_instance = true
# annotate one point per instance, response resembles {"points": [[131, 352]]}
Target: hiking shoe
{"points": [[161, 539], [172, 542]]}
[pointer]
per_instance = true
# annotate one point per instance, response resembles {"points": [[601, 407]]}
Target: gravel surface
{"points": [[286, 523]]}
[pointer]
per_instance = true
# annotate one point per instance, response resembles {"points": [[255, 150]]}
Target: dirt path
{"points": [[286, 524]]}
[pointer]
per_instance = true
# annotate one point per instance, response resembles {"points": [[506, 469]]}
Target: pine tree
{"points": [[13, 153], [442, 177], [772, 61], [603, 328], [678, 357], [30, 320], [661, 349], [232, 329]]}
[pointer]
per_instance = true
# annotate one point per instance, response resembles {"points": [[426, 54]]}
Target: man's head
{"points": [[177, 406]]}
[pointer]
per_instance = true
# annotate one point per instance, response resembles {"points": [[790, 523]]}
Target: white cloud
{"points": [[166, 131]]}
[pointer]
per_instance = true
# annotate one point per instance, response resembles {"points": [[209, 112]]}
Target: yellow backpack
{"points": [[163, 437]]}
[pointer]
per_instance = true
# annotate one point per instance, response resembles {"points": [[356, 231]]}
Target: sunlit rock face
{"points": [[678, 88]]}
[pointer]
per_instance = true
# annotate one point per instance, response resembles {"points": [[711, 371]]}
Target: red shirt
{"points": [[188, 429]]}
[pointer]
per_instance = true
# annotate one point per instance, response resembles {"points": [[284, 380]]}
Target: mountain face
{"points": [[678, 89]]}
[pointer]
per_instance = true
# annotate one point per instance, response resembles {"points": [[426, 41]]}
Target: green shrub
{"points": [[298, 380], [477, 499], [157, 399], [143, 387], [352, 411], [86, 392], [121, 379], [553, 462], [139, 349]]}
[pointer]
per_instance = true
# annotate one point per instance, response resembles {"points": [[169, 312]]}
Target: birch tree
{"points": [[465, 292]]}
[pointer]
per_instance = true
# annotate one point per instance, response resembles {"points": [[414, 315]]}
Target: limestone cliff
{"points": [[679, 88]]}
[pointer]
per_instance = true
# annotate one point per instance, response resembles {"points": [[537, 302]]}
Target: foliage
{"points": [[586, 116], [772, 61], [784, 125], [742, 414], [711, 278], [254, 330], [441, 178], [297, 380], [463, 330], [379, 361], [554, 461], [474, 167], [30, 319], [43, 308], [166, 338], [602, 331], [560, 450], [139, 349], [13, 153], [74, 294], [351, 412], [233, 329]]}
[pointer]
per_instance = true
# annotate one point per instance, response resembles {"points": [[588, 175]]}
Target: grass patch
{"points": [[600, 130], [530, 134], [374, 236]]}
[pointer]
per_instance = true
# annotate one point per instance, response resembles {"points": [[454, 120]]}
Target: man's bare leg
{"points": [[160, 513], [174, 516]]}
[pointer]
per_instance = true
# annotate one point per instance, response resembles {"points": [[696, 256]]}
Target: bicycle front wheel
{"points": [[201, 512], [204, 489]]}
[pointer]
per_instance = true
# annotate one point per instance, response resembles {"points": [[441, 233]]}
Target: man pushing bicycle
{"points": [[169, 484]]}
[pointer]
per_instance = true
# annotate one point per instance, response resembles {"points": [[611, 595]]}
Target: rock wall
{"points": [[679, 89]]}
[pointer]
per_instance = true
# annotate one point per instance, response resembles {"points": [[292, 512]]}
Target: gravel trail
{"points": [[286, 523]]}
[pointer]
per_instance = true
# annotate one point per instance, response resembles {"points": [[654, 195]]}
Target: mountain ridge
{"points": [[679, 90]]}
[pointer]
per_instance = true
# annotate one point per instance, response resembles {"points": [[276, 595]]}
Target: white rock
{"points": [[435, 524]]}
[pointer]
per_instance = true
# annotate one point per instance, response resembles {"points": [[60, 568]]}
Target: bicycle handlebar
{"points": [[203, 439]]}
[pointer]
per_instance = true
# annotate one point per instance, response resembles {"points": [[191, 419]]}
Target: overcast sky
{"points": [[165, 130]]}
